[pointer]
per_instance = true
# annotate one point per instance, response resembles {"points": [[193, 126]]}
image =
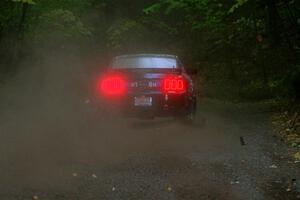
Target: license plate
{"points": [[142, 101]]}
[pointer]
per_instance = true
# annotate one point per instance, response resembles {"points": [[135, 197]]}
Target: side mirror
{"points": [[192, 71]]}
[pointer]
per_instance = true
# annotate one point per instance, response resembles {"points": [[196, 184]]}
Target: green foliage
{"points": [[194, 13], [9, 16], [238, 4], [59, 24], [256, 89], [152, 9], [76, 6], [234, 39], [123, 33], [290, 83], [194, 22], [24, 1]]}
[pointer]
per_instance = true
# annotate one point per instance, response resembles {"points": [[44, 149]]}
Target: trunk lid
{"points": [[146, 81]]}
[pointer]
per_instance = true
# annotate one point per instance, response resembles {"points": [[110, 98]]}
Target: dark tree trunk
{"points": [[20, 34], [274, 22], [21, 26]]}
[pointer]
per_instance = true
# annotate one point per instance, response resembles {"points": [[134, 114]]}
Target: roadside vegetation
{"points": [[286, 121], [244, 50]]}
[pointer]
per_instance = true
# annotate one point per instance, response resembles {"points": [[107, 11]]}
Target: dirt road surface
{"points": [[54, 145]]}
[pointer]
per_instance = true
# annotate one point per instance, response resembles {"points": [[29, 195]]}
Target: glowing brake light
{"points": [[113, 85], [174, 84]]}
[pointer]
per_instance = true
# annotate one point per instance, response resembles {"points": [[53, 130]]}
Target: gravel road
{"points": [[53, 145]]}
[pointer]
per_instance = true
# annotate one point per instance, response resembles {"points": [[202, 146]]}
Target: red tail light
{"points": [[174, 84], [113, 85]]}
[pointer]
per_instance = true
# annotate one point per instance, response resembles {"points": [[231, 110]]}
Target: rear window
{"points": [[144, 63]]}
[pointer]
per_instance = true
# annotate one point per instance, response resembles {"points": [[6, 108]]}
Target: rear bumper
{"points": [[162, 105]]}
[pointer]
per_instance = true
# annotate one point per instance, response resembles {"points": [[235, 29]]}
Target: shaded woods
{"points": [[243, 49]]}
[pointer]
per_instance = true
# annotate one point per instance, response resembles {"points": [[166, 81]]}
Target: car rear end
{"points": [[145, 85]]}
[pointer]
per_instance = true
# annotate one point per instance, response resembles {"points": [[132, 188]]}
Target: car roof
{"points": [[146, 55]]}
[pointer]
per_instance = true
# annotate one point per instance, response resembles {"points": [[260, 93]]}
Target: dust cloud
{"points": [[51, 127], [49, 124]]}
